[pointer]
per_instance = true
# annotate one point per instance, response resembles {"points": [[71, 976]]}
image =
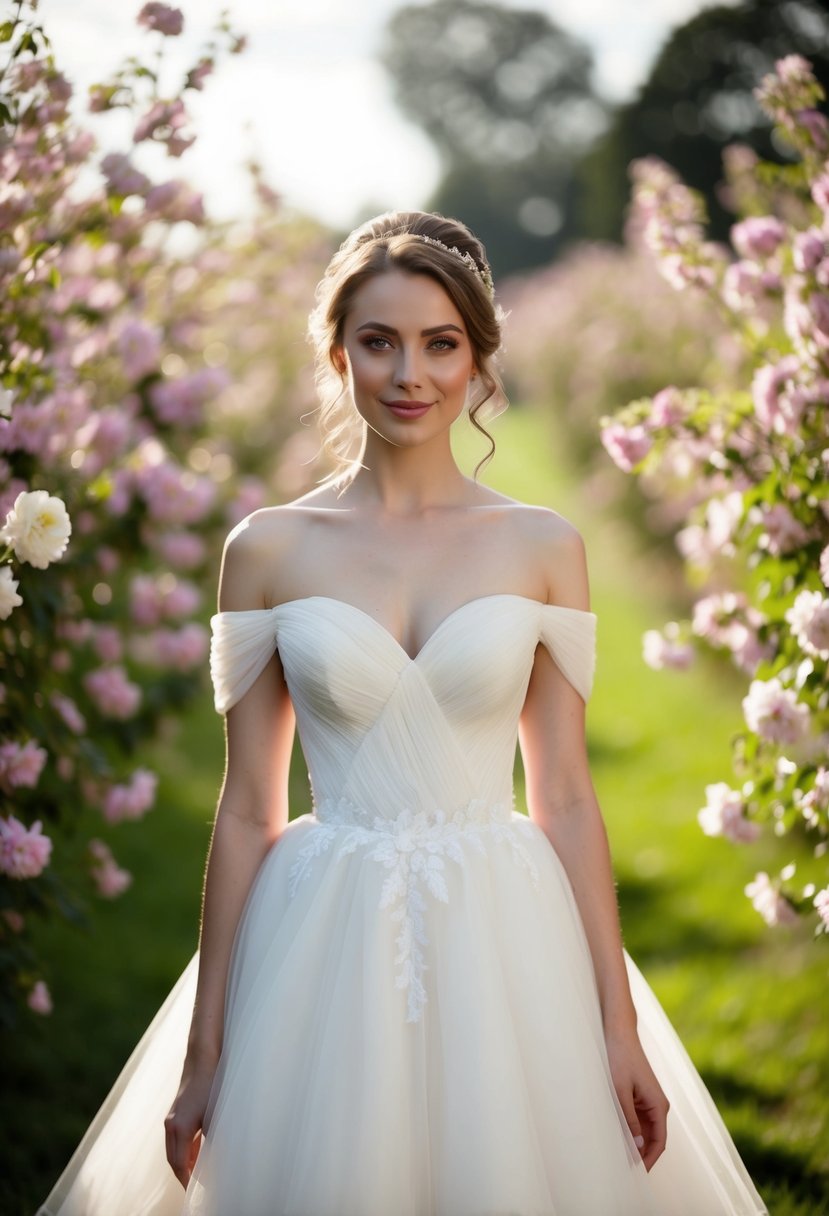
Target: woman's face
{"points": [[408, 357]]}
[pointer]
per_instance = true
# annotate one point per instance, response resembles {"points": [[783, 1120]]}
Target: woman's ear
{"points": [[338, 359]]}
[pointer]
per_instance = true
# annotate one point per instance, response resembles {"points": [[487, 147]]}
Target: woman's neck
{"points": [[407, 481]]}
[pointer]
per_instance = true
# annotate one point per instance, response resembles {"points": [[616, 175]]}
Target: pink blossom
{"points": [[180, 649], [175, 495], [776, 409], [176, 201], [181, 599], [108, 643], [774, 712], [113, 693], [809, 619], [722, 516], [69, 712], [821, 902], [196, 76], [774, 908], [820, 192], [659, 650], [39, 999], [182, 550], [626, 445], [121, 175], [109, 878], [757, 236], [146, 600], [724, 815], [667, 407], [181, 402], [139, 346], [809, 249], [747, 650], [782, 532], [21, 766], [24, 852], [162, 17], [131, 800]]}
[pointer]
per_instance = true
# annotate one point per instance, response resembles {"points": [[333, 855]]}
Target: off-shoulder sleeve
{"points": [[241, 644], [570, 636]]}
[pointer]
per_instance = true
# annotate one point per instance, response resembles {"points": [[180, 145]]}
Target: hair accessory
{"points": [[485, 274]]}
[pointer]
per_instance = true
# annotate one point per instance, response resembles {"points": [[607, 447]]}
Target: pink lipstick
{"points": [[408, 409]]}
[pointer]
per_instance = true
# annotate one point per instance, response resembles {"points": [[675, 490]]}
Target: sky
{"points": [[308, 97]]}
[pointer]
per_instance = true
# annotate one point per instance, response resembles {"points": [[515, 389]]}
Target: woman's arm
{"points": [[252, 812], [562, 801]]}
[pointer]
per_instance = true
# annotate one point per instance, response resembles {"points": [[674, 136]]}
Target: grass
{"points": [[748, 1002]]}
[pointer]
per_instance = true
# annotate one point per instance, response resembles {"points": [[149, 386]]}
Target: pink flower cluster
{"points": [[110, 879], [766, 898], [153, 599], [666, 649], [132, 799], [115, 695], [774, 712], [24, 852], [21, 765], [724, 814]]}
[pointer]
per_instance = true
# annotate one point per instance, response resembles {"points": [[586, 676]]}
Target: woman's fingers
{"points": [[652, 1107], [183, 1145]]}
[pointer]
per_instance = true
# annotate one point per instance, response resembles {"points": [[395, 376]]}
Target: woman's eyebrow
{"points": [[424, 333]]}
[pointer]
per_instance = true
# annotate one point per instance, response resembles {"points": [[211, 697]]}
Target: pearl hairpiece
{"points": [[485, 274]]}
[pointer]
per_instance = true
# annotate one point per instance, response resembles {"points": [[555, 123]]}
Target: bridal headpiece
{"points": [[483, 273]]}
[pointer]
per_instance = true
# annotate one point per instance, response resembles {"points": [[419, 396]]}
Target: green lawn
{"points": [[748, 1002]]}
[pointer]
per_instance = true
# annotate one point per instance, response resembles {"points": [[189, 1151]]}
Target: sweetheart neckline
{"points": [[332, 599]]}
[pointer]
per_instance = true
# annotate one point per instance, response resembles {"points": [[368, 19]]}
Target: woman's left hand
{"points": [[640, 1095]]}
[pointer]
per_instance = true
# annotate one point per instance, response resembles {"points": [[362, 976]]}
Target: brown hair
{"points": [[401, 240]]}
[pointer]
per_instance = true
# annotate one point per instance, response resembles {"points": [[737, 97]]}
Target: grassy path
{"points": [[748, 1003]]}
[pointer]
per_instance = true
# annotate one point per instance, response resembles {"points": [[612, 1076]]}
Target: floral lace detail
{"points": [[414, 848]]}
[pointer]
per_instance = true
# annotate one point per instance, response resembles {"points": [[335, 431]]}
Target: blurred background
{"points": [[523, 120]]}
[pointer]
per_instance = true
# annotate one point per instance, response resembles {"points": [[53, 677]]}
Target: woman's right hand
{"points": [[184, 1124]]}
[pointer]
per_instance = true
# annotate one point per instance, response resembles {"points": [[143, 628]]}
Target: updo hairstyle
{"points": [[402, 240]]}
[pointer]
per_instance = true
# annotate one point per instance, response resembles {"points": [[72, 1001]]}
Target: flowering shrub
{"points": [[134, 430], [749, 464]]}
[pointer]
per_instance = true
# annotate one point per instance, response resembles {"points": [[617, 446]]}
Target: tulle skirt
{"points": [[331, 1100]]}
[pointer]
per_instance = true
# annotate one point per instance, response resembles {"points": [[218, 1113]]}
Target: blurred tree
{"points": [[507, 98], [697, 99]]}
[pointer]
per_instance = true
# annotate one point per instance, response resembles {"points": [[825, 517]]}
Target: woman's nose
{"points": [[407, 371]]}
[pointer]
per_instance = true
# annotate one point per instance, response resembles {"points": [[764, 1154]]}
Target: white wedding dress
{"points": [[412, 1019]]}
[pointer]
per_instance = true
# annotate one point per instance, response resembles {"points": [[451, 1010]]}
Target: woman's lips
{"points": [[408, 409]]}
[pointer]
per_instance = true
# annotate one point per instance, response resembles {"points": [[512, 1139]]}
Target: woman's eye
{"points": [[369, 342], [445, 344]]}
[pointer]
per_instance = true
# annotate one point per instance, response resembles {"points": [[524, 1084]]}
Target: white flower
{"points": [[724, 814], [37, 527], [665, 650], [774, 908], [6, 399], [9, 598], [774, 712], [809, 619]]}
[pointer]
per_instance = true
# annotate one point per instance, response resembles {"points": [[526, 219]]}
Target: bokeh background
{"points": [[522, 119]]}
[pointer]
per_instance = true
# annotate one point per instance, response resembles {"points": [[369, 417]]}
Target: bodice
{"points": [[384, 733]]}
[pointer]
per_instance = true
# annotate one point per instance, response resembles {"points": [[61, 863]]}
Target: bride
{"points": [[415, 1000]]}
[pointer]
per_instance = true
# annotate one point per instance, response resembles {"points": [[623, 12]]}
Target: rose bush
{"points": [[146, 397], [748, 464]]}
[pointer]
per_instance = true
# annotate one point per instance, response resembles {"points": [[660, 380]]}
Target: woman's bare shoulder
{"points": [[554, 545]]}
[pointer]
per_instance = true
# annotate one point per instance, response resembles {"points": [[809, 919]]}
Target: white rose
{"points": [[37, 527], [8, 593]]}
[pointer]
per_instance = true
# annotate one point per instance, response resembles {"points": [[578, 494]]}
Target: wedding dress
{"points": [[412, 1018]]}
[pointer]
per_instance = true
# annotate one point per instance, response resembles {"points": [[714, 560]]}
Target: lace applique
{"points": [[413, 848]]}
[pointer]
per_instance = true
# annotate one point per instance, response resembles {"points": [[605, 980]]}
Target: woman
{"points": [[415, 1000]]}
